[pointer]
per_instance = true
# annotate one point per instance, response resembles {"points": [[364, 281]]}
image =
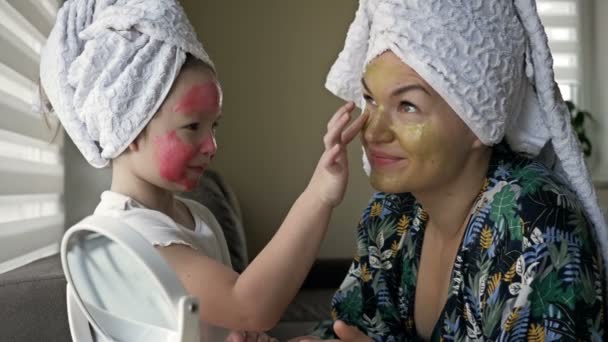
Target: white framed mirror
{"points": [[122, 287]]}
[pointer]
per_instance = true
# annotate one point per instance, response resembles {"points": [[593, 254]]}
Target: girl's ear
{"points": [[136, 144], [140, 140]]}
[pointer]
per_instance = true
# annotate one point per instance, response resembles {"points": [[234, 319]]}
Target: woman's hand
{"points": [[344, 331], [328, 183], [248, 336]]}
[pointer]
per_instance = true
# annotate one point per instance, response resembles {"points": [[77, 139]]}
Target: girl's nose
{"points": [[209, 145]]}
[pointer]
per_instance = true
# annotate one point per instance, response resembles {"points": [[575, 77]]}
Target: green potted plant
{"points": [[578, 123]]}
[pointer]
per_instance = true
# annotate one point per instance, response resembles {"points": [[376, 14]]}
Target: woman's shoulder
{"points": [[532, 183], [404, 199], [385, 205], [537, 204]]}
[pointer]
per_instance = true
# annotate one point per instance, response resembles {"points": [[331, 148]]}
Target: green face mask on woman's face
{"points": [[413, 139]]}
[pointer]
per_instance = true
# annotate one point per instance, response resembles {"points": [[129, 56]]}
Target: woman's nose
{"points": [[376, 130]]}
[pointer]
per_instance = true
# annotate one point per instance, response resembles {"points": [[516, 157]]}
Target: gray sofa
{"points": [[32, 298]]}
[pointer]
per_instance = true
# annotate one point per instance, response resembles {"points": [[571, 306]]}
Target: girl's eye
{"points": [[407, 107], [215, 125], [369, 100], [192, 126]]}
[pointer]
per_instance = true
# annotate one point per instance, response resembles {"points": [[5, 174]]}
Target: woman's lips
{"points": [[383, 160]]}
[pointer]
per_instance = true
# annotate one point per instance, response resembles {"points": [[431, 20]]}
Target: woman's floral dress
{"points": [[528, 267]]}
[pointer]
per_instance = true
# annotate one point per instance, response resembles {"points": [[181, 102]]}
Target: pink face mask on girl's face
{"points": [[203, 98], [182, 160], [173, 157]]}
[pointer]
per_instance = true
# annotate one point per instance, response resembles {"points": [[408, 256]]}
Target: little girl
{"points": [[134, 89]]}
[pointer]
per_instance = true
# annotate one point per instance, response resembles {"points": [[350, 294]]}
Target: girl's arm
{"points": [[256, 299]]}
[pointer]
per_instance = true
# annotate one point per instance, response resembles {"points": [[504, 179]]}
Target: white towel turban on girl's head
{"points": [[108, 65], [490, 61]]}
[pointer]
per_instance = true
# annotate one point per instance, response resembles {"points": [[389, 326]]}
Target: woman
{"points": [[486, 226]]}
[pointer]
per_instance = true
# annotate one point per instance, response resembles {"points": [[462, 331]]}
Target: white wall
{"points": [[599, 99], [599, 86], [83, 184]]}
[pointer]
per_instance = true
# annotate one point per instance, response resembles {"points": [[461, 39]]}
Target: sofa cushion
{"points": [[33, 303]]}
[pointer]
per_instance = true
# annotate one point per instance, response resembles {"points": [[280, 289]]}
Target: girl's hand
{"points": [[249, 336], [328, 183], [344, 331]]}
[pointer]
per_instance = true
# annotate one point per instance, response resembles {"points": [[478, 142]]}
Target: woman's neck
{"points": [[449, 204]]}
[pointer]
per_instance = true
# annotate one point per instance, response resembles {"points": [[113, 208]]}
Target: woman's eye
{"points": [[407, 107], [215, 125], [369, 100], [192, 126]]}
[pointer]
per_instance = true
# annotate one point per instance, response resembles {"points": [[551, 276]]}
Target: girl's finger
{"points": [[235, 336], [348, 107], [251, 336], [334, 134], [329, 157], [354, 128]]}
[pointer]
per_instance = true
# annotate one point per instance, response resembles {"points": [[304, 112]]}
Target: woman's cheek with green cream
{"points": [[416, 139], [420, 146]]}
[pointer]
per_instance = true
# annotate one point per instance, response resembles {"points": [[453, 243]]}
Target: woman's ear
{"points": [[477, 143]]}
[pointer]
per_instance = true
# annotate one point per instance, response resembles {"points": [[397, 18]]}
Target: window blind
{"points": [[31, 160], [562, 21]]}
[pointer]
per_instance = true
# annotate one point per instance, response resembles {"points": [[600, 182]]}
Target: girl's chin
{"points": [[189, 184]]}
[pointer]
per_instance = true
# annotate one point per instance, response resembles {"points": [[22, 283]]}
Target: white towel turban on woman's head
{"points": [[108, 65], [490, 61]]}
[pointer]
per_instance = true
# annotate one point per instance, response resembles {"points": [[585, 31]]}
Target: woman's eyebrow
{"points": [[408, 88], [400, 90]]}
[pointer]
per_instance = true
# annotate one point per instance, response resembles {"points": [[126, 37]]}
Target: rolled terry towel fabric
{"points": [[490, 61], [108, 65]]}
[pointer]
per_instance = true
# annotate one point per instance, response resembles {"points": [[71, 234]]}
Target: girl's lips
{"points": [[197, 169]]}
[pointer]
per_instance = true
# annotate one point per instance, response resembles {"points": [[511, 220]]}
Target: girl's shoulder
{"points": [[125, 208], [156, 227], [198, 210]]}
